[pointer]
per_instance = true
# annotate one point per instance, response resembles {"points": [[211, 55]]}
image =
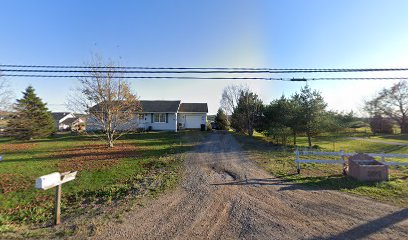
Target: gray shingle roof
{"points": [[194, 107], [69, 121], [59, 115], [159, 106], [165, 106]]}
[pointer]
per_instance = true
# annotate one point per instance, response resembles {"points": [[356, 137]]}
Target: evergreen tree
{"points": [[312, 112], [221, 120], [247, 115], [31, 118]]}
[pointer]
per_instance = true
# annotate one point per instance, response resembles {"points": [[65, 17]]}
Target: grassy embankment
{"points": [[139, 164], [280, 162]]}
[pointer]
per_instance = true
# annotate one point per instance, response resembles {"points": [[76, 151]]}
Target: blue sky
{"points": [[217, 33]]}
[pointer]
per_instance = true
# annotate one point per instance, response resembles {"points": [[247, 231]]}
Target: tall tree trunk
{"points": [[309, 139], [110, 139], [250, 131], [294, 137], [404, 126]]}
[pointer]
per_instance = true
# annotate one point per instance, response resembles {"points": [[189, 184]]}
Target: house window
{"points": [[160, 118]]}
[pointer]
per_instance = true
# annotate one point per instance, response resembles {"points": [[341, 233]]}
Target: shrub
{"points": [[379, 124], [209, 127], [221, 120]]}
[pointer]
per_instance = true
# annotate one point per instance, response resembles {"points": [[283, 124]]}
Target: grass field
{"points": [[139, 163], [401, 138], [279, 161]]}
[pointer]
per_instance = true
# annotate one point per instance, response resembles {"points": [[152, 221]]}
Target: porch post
{"points": [[176, 122]]}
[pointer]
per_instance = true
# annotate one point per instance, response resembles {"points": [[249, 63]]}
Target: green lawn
{"points": [[138, 162], [330, 143], [401, 138], [279, 160]]}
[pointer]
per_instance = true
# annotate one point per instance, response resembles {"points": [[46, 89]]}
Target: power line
{"points": [[217, 78], [147, 77], [178, 70], [119, 67]]}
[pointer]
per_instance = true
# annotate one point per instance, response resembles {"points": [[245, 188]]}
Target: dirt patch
{"points": [[223, 175], [94, 156], [10, 182], [16, 147]]}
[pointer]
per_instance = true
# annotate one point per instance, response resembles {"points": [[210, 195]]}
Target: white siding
{"points": [[144, 123], [170, 125]]}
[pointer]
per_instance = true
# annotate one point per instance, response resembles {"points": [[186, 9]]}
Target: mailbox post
{"points": [[55, 180], [57, 210]]}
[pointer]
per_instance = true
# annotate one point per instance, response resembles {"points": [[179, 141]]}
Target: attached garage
{"points": [[193, 121], [192, 115]]}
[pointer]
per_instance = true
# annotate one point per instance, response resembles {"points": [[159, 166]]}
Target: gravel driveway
{"points": [[225, 196]]}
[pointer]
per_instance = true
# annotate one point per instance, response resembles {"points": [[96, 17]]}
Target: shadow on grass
{"points": [[63, 137], [5, 139], [92, 137], [139, 153], [334, 182], [394, 137]]}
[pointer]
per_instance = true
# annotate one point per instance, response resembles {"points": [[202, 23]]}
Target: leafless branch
{"points": [[108, 100], [5, 95]]}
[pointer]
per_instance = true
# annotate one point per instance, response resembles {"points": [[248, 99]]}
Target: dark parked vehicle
{"points": [[214, 125]]}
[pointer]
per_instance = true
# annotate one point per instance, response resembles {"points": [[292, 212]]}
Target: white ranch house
{"points": [[67, 121], [164, 115]]}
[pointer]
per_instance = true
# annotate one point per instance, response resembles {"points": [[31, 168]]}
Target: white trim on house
{"points": [[157, 117]]}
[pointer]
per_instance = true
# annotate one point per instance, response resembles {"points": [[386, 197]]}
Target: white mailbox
{"points": [[55, 179], [67, 176], [48, 181]]}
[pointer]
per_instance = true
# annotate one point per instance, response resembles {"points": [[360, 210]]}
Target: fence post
{"points": [[297, 161], [344, 162]]}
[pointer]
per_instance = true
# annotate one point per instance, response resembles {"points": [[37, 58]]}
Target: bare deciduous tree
{"points": [[230, 97], [393, 103], [5, 95], [109, 101]]}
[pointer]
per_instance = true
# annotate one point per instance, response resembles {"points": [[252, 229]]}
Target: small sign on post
{"points": [[55, 179]]}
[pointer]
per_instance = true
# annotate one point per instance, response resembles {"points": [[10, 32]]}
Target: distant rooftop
{"points": [[59, 115]]}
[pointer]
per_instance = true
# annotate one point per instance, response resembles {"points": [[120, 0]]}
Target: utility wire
{"points": [[160, 70], [145, 77], [216, 78]]}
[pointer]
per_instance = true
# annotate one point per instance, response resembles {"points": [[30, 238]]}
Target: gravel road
{"points": [[226, 196]]}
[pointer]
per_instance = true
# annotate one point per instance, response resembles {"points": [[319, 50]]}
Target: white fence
{"points": [[342, 156]]}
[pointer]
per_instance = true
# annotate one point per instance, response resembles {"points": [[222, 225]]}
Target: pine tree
{"points": [[221, 120], [31, 118], [247, 115]]}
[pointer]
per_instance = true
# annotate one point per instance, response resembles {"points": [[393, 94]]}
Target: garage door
{"points": [[193, 121]]}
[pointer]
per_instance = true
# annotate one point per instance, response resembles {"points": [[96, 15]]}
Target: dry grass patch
{"points": [[10, 182], [96, 156], [16, 147]]}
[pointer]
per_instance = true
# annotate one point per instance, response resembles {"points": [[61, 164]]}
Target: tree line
{"points": [[105, 98], [306, 113]]}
